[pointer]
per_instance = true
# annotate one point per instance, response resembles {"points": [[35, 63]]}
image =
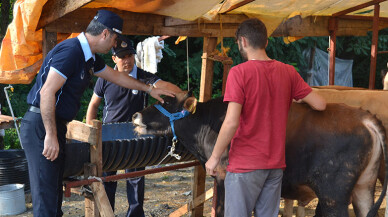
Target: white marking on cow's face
{"points": [[140, 130], [140, 127]]}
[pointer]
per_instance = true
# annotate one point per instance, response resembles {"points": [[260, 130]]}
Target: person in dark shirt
{"points": [[55, 100], [120, 104]]}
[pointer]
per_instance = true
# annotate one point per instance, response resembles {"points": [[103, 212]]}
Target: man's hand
{"points": [[51, 147], [211, 165], [157, 92]]}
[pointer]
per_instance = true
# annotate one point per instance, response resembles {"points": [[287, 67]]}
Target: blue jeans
{"points": [[135, 193]]}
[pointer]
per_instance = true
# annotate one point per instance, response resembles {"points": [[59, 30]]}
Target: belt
{"points": [[34, 109]]}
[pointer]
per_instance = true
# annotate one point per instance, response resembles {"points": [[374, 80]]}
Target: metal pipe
{"points": [[13, 116], [69, 185]]}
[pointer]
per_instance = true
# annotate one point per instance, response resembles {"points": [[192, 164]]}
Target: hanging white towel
{"points": [[149, 54]]}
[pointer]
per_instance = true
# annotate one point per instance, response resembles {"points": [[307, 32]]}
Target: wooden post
{"points": [[49, 41], [209, 44], [373, 55], [333, 26], [91, 207]]}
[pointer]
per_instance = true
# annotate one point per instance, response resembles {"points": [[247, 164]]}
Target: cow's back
{"points": [[325, 149]]}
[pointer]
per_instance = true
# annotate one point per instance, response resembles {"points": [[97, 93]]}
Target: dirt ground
{"points": [[164, 193]]}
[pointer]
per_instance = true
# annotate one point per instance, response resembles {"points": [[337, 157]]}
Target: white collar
{"points": [[133, 73], [85, 47]]}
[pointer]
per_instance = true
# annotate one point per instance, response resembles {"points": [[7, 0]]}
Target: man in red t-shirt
{"points": [[259, 93]]}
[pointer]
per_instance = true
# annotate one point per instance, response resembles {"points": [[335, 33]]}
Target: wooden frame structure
{"points": [[68, 16]]}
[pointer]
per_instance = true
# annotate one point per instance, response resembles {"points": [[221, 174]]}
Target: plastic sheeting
{"points": [[318, 75], [21, 50]]}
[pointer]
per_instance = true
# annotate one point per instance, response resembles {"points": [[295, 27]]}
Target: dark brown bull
{"points": [[333, 155]]}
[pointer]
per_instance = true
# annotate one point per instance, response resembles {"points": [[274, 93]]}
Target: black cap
{"points": [[110, 20], [124, 47]]}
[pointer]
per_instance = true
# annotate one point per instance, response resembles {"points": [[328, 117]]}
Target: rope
{"points": [[187, 63], [95, 177]]}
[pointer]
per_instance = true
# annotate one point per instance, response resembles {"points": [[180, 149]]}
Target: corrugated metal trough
{"points": [[123, 150]]}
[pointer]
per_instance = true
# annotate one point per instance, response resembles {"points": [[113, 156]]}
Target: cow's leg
{"points": [[318, 212], [220, 197], [363, 199], [301, 211], [288, 208], [329, 208]]}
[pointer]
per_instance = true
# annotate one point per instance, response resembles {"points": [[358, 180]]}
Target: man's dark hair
{"points": [[254, 31], [95, 28]]}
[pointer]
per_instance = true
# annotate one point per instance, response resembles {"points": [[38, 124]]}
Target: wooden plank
{"points": [[101, 199], [49, 41], [374, 101], [207, 71], [55, 9], [192, 204], [358, 7], [82, 132], [374, 46]]}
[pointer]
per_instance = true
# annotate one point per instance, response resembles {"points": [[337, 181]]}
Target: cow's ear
{"points": [[190, 104]]}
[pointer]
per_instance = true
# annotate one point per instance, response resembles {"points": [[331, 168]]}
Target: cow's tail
{"points": [[379, 131]]}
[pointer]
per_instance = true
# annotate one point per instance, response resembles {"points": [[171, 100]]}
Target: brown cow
{"points": [[333, 155]]}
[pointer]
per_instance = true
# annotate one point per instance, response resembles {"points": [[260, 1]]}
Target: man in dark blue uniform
{"points": [[55, 100], [120, 105]]}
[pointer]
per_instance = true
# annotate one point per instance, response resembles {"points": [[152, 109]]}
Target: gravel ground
{"points": [[164, 193]]}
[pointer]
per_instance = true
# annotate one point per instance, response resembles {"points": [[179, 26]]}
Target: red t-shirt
{"points": [[265, 90]]}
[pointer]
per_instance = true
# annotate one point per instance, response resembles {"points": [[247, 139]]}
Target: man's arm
{"points": [[93, 109], [315, 101], [228, 129], [53, 83], [123, 80], [167, 86]]}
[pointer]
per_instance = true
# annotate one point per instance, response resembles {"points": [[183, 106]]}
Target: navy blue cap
{"points": [[124, 47], [110, 20]]}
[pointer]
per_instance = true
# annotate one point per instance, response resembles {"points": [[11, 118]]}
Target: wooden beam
{"points": [[151, 24], [374, 46], [96, 150], [359, 17], [82, 132], [192, 204], [358, 7], [333, 26], [101, 199], [207, 71], [91, 209], [55, 9], [198, 189], [226, 19]]}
